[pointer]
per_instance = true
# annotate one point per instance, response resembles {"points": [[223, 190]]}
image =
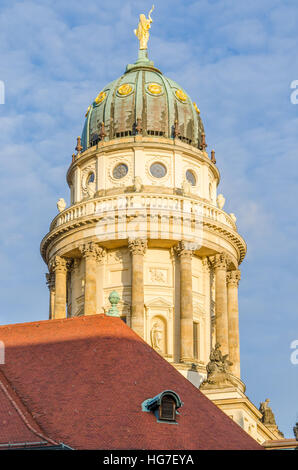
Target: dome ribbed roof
{"points": [[142, 101]]}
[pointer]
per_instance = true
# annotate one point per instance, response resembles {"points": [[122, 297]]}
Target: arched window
{"points": [[191, 177], [167, 409], [91, 178], [164, 406]]}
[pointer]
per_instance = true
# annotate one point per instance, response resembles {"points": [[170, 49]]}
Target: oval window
{"points": [[158, 170], [91, 178], [191, 177], [120, 171]]}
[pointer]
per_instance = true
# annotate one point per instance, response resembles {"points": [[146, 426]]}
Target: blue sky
{"points": [[237, 60]]}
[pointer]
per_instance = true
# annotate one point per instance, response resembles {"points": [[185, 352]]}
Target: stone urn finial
{"points": [[61, 204], [220, 201], [114, 299]]}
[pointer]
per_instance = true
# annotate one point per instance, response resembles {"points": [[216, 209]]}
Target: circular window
{"points": [[191, 177], [120, 171], [158, 170], [91, 178]]}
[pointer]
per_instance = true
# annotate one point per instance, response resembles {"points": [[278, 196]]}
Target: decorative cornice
{"points": [[137, 246], [233, 277], [92, 250]]}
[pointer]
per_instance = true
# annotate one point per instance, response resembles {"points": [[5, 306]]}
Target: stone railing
{"points": [[166, 205]]}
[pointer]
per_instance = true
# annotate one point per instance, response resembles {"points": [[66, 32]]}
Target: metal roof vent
{"points": [[164, 406]]}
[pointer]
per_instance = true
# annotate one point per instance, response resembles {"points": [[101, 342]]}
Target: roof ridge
{"points": [[13, 398], [50, 321]]}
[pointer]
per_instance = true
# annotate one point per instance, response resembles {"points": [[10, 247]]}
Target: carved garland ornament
{"points": [[88, 189]]}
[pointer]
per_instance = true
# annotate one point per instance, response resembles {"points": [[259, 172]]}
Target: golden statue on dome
{"points": [[142, 31]]}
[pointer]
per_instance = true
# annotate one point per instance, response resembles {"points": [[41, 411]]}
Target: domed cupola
{"points": [[143, 101]]}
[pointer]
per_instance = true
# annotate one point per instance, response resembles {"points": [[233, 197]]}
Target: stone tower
{"points": [[145, 221]]}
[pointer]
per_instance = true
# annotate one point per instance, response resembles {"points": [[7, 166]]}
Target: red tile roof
{"points": [[84, 380], [16, 423]]}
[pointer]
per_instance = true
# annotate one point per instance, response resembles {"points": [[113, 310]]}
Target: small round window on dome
{"points": [[120, 171], [158, 170], [191, 177], [91, 178]]}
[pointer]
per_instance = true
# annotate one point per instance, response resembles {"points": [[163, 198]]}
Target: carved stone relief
{"points": [[158, 276], [88, 187]]}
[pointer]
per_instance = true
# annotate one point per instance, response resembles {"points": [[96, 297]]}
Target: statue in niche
{"points": [[267, 413], [156, 335]]}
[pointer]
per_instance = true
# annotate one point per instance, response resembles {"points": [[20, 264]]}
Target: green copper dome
{"points": [[143, 101]]}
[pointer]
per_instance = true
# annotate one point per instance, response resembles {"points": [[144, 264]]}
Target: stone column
{"points": [[91, 254], [233, 278], [59, 267], [186, 307], [51, 285], [221, 303], [207, 277], [138, 248]]}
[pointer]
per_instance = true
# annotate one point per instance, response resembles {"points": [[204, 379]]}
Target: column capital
{"points": [[233, 277], [219, 261], [137, 246], [184, 249], [58, 264], [207, 264], [50, 280], [92, 250]]}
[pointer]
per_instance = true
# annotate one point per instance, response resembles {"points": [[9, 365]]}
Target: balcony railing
{"points": [[166, 205]]}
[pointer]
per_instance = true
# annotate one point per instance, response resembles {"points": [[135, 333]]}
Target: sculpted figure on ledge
{"points": [[218, 374]]}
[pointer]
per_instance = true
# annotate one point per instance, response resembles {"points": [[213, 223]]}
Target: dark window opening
{"points": [[156, 133], [94, 139], [91, 178], [185, 139], [123, 134], [167, 409], [195, 340]]}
